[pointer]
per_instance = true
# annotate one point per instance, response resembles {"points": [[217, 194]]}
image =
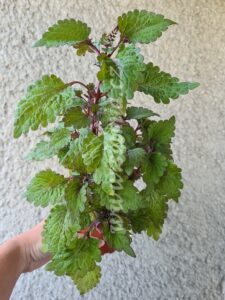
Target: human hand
{"points": [[30, 243]]}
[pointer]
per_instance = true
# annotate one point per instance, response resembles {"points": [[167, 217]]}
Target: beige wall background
{"points": [[188, 262]]}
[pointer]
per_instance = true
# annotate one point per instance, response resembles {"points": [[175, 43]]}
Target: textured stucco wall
{"points": [[189, 260]]}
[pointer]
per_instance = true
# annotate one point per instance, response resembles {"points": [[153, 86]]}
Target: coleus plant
{"points": [[106, 143]]}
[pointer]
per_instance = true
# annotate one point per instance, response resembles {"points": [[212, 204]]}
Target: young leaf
{"points": [[120, 76], [162, 86], [59, 227], [142, 26], [46, 99], [170, 183], [139, 113], [76, 118], [64, 32], [47, 187]]}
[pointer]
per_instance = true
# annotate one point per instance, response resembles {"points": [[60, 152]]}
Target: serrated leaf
{"points": [[59, 228], [119, 240], [162, 131], [134, 159], [41, 151], [59, 138], [71, 157], [81, 256], [92, 151], [64, 32], [158, 212], [76, 196], [170, 183], [112, 159], [120, 76], [111, 110], [88, 281], [131, 199], [129, 135], [83, 48], [47, 187], [45, 99], [76, 118], [141, 26], [154, 167], [140, 219], [139, 113], [162, 86]]}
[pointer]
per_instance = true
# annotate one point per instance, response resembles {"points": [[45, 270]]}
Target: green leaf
{"points": [[112, 159], [170, 183], [120, 76], [134, 159], [139, 113], [154, 167], [64, 32], [140, 219], [59, 138], [131, 199], [76, 196], [71, 157], [119, 239], [150, 218], [158, 211], [162, 131], [47, 187], [88, 281], [46, 99], [162, 86], [81, 256], [41, 151], [141, 26], [129, 135], [76, 118], [111, 110], [92, 151], [58, 230]]}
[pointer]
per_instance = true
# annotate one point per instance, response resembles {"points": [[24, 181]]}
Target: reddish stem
{"points": [[77, 82]]}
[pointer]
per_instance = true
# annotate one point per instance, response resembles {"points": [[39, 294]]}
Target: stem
{"points": [[116, 47], [95, 222], [93, 47], [77, 82]]}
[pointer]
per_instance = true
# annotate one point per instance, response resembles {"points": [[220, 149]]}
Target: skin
{"points": [[23, 254], [19, 255]]}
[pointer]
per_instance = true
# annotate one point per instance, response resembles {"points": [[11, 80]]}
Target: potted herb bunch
{"points": [[106, 143]]}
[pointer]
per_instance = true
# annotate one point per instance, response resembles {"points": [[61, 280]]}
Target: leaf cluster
{"points": [[105, 155]]}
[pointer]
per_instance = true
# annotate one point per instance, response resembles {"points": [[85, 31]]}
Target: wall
{"points": [[188, 261]]}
